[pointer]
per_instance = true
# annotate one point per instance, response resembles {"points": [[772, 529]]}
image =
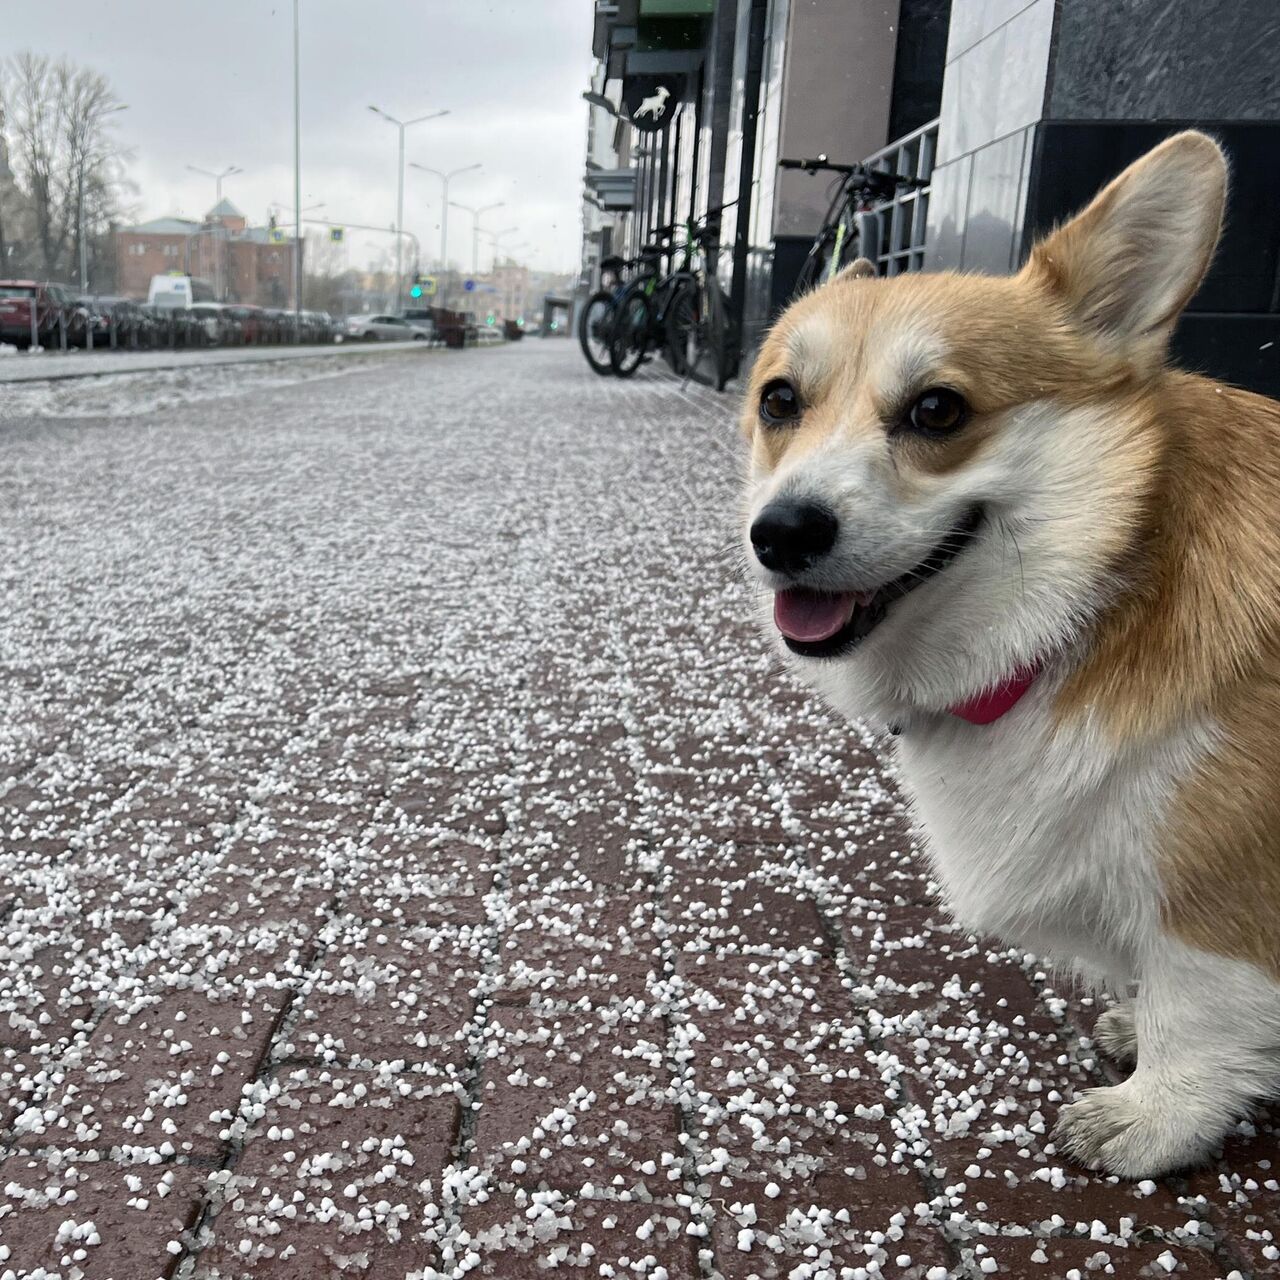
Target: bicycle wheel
{"points": [[630, 339], [709, 339], [717, 334], [682, 318], [595, 329]]}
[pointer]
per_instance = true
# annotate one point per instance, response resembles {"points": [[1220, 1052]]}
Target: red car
{"points": [[16, 299]]}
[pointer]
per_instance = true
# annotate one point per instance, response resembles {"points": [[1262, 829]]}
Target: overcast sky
{"points": [[210, 84]]}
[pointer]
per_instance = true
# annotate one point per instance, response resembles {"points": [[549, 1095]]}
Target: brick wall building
{"points": [[243, 263]]}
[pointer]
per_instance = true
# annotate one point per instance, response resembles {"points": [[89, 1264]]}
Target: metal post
{"points": [[444, 230], [400, 224], [84, 260], [401, 126], [297, 183]]}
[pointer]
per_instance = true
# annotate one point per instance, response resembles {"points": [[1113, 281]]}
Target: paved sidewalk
{"points": [[414, 864]]}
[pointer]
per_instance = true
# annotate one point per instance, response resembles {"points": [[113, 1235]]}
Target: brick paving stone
{"points": [[165, 1067], [421, 882], [391, 992], [338, 1175], [1241, 1194], [846, 1229], [1075, 1258], [569, 944], [575, 1099], [94, 1219], [522, 1236]]}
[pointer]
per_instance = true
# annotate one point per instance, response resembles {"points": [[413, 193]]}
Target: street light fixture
{"points": [[402, 125], [476, 215], [599, 100], [445, 179], [217, 178], [495, 237], [217, 256], [278, 206]]}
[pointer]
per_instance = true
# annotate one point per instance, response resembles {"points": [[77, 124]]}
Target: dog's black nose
{"points": [[789, 535]]}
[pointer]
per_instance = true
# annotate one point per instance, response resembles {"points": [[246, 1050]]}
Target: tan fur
{"points": [[1197, 634]]}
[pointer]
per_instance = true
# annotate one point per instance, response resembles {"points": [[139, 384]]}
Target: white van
{"points": [[170, 292]]}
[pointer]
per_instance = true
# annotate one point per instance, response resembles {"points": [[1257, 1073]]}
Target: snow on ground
{"points": [[415, 864]]}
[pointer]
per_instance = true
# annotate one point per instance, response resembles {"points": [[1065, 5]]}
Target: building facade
{"points": [[243, 263], [1013, 111]]}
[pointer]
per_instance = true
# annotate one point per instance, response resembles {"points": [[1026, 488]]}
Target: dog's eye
{"points": [[938, 411], [779, 402]]}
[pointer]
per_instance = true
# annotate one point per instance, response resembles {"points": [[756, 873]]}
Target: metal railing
{"points": [[903, 221]]}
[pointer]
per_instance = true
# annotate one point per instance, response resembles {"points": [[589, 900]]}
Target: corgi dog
{"points": [[986, 512]]}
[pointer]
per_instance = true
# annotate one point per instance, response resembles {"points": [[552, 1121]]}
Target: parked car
{"points": [[17, 297], [383, 329], [173, 327], [250, 327], [90, 323], [422, 318], [327, 328], [214, 325]]}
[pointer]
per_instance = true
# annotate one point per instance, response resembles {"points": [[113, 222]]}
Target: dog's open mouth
{"points": [[822, 624]]}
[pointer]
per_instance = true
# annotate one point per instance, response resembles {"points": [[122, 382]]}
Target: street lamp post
{"points": [[495, 237], [402, 125], [445, 179], [508, 284], [476, 215], [217, 253], [297, 181]]}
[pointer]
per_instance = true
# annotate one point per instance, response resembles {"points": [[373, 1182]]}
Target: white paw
{"points": [[1117, 1037], [1135, 1134]]}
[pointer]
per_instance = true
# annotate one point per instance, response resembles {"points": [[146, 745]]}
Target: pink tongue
{"points": [[810, 616]]}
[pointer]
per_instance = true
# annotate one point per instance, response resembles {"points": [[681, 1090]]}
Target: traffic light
{"points": [[416, 291]]}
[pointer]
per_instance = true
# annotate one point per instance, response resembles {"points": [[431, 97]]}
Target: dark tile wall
{"points": [[1231, 330], [1167, 60]]}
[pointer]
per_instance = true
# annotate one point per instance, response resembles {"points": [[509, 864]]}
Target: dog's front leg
{"points": [[1208, 1045]]}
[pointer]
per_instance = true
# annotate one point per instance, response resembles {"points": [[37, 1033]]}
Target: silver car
{"points": [[383, 329]]}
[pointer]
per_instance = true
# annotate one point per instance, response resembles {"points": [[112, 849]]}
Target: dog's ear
{"points": [[1128, 264], [858, 269]]}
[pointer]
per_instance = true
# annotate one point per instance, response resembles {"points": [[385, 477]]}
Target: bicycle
{"points": [[848, 221], [697, 329], [632, 321], [682, 313], [595, 325]]}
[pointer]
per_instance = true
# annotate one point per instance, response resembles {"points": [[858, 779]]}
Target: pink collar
{"points": [[988, 706]]}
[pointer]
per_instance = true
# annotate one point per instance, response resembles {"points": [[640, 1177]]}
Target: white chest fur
{"points": [[1044, 836]]}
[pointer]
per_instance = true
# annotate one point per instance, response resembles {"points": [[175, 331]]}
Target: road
{"points": [[416, 864]]}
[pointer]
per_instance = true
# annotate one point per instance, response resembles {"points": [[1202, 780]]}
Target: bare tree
{"points": [[70, 167]]}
